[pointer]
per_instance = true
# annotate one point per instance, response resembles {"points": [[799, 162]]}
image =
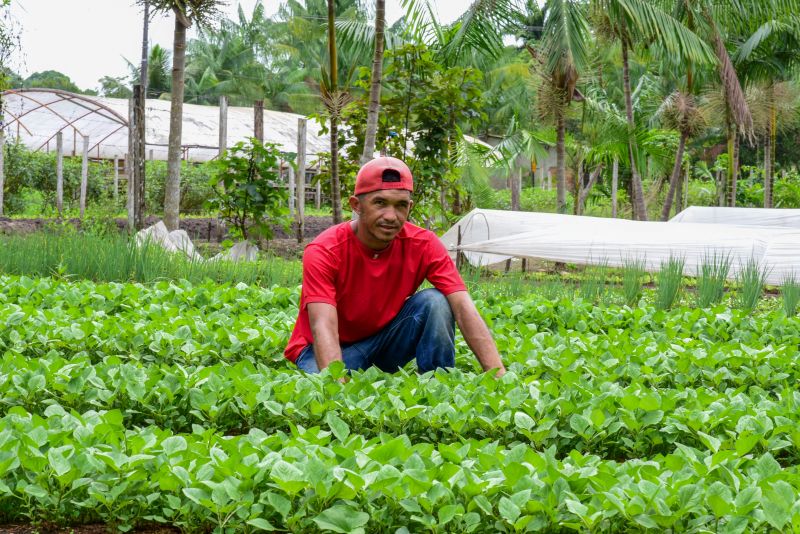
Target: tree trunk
{"points": [[561, 182], [334, 129], [679, 193], [614, 186], [513, 182], [733, 166], [583, 191], [145, 30], [172, 189], [639, 208], [675, 179], [769, 161], [375, 84]]}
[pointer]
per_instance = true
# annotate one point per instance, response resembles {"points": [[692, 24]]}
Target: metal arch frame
{"points": [[79, 100]]}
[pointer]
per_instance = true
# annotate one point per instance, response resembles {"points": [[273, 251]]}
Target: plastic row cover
{"points": [[491, 236]]}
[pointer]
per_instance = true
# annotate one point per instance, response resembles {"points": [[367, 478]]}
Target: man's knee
{"points": [[434, 302]]}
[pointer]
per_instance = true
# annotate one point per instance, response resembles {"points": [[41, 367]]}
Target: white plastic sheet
{"points": [[35, 115], [773, 217], [491, 236]]}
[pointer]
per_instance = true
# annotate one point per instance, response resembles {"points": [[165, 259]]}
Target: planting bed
{"points": [[131, 406]]}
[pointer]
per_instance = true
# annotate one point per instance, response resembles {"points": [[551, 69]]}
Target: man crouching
{"points": [[359, 301]]}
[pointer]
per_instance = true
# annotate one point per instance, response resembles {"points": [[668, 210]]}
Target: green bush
{"points": [[27, 170], [195, 189]]}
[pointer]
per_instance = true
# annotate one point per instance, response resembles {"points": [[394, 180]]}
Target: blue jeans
{"points": [[424, 329]]}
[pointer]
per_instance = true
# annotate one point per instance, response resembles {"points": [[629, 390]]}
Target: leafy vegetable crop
{"points": [[171, 403]]}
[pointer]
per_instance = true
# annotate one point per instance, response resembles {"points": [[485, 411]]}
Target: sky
{"points": [[89, 39]]}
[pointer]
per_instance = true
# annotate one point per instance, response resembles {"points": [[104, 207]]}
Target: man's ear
{"points": [[355, 205]]}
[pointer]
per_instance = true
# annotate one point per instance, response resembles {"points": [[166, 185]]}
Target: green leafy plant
{"points": [[632, 279], [711, 279], [247, 189], [670, 277], [790, 291], [751, 279]]}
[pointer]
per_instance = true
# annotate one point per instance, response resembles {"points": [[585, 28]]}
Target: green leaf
{"points": [[173, 444], [337, 426], [260, 523], [523, 420], [341, 518], [448, 512], [508, 510]]}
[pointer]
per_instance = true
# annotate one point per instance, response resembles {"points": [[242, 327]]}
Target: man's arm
{"points": [[325, 329], [475, 332]]}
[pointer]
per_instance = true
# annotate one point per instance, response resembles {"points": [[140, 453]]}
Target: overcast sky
{"points": [[89, 39]]}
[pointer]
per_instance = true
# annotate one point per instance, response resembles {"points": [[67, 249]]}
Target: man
{"points": [[359, 302]]}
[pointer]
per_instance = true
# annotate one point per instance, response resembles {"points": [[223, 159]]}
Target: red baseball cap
{"points": [[383, 173]]}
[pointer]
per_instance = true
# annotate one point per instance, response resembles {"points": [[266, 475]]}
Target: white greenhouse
{"points": [[34, 116]]}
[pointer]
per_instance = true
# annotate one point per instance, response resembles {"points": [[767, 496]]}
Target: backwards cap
{"points": [[383, 173]]}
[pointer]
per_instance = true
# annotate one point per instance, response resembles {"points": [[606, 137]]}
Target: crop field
{"points": [[170, 403]]}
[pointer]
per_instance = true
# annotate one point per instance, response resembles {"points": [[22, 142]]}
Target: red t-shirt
{"points": [[368, 289]]}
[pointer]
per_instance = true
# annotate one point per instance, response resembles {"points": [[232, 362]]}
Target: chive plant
{"points": [[632, 274], [711, 279], [790, 291], [593, 283], [670, 276], [751, 279]]}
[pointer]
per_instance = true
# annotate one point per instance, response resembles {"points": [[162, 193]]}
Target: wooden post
{"points": [[301, 178], [138, 158], [318, 195], [129, 164], [223, 124], [2, 167], [60, 173], [258, 120], [84, 174], [116, 181], [614, 185], [292, 194]]}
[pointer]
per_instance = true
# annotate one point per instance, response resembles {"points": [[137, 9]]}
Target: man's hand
{"points": [[325, 328], [475, 332]]}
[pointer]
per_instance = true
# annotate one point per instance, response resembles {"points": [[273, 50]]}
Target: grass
{"points": [[711, 279], [632, 275], [751, 279], [790, 291], [670, 276], [110, 258]]}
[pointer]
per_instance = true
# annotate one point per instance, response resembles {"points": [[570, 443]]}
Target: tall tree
{"points": [[186, 12], [563, 59], [375, 83], [334, 100], [634, 22]]}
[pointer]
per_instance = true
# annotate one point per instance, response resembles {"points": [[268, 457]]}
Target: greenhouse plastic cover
{"points": [[491, 236], [774, 217], [35, 115]]}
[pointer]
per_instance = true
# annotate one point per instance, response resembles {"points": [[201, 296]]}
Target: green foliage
{"points": [[26, 170], [632, 279], [247, 189], [100, 252], [51, 79], [790, 291], [751, 279], [196, 188], [711, 279], [670, 276], [170, 403]]}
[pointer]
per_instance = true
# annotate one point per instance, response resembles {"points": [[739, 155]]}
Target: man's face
{"points": [[381, 215]]}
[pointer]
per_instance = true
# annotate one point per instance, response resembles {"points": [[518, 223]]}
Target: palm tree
{"points": [[769, 56], [637, 21], [679, 112], [563, 59], [186, 12]]}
